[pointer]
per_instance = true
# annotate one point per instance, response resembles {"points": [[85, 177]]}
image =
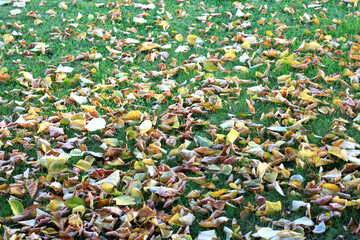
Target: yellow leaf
{"points": [[284, 79], [27, 76], [250, 107], [245, 45], [75, 220], [179, 37], [79, 16], [313, 45], [307, 97], [272, 207], [210, 67], [242, 69], [164, 24], [305, 155], [43, 126], [174, 219], [316, 21], [38, 21], [209, 185], [219, 193], [107, 187], [8, 38], [49, 231], [336, 151], [336, 102], [133, 115], [230, 54], [78, 124], [284, 53], [269, 33], [50, 11], [261, 169], [83, 165], [232, 135], [332, 187], [148, 46], [192, 39]]}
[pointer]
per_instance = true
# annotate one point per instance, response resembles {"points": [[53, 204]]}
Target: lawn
{"points": [[179, 119]]}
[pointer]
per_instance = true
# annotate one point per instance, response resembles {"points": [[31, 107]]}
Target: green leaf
{"points": [[204, 142], [125, 200], [74, 202], [210, 67], [16, 207], [79, 208], [57, 168]]}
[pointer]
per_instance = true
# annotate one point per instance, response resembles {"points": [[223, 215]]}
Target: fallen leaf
{"points": [[192, 39], [96, 124], [16, 207], [272, 207]]}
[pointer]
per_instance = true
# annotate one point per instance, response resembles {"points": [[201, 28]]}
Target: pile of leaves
{"points": [[179, 119]]}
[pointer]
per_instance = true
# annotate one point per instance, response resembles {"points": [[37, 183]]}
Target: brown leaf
{"points": [[32, 188], [4, 77]]}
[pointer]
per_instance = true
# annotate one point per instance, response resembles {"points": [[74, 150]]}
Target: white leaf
{"points": [[27, 75], [166, 46], [304, 221], [199, 59], [320, 228], [2, 2], [85, 81], [182, 49], [265, 233], [29, 223], [207, 235], [79, 99], [198, 41], [139, 20], [113, 179], [14, 12], [278, 129], [131, 41], [244, 58], [19, 4], [239, 13], [64, 69], [297, 204], [278, 188], [187, 220], [150, 6], [228, 233], [145, 126], [270, 234], [79, 16], [96, 124]]}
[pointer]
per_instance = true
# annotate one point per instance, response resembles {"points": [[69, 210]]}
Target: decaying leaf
{"points": [[179, 119]]}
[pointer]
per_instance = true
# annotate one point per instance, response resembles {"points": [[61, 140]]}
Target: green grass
{"points": [[233, 106]]}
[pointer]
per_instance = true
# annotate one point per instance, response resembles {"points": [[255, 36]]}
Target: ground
{"points": [[179, 119]]}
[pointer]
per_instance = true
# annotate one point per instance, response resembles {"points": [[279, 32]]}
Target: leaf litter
{"points": [[114, 152]]}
